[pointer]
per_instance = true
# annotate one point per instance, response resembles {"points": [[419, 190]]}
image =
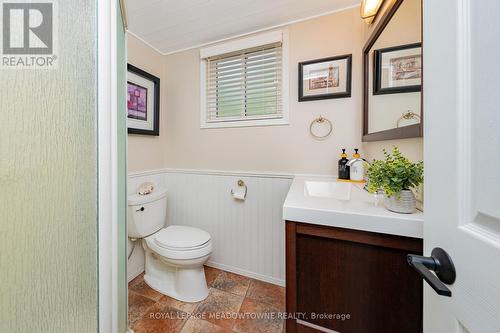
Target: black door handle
{"points": [[439, 262]]}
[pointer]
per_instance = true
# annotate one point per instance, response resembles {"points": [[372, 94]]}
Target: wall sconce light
{"points": [[369, 9]]}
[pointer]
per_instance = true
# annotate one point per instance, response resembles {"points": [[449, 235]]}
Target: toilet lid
{"points": [[181, 237]]}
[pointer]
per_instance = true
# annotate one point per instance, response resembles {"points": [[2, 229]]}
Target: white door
{"points": [[462, 160]]}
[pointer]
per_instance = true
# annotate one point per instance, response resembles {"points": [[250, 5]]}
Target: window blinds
{"points": [[245, 85]]}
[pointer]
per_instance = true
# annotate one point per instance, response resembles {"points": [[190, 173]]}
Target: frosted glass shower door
{"points": [[48, 167]]}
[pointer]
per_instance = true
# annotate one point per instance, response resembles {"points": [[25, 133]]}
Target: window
{"points": [[243, 83]]}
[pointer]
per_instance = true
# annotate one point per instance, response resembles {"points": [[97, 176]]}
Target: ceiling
{"points": [[174, 25]]}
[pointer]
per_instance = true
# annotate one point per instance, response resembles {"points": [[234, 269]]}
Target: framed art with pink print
{"points": [[143, 102]]}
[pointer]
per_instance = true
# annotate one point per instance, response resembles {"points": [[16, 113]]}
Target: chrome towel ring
{"points": [[321, 120]]}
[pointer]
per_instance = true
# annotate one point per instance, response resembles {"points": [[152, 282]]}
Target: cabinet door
{"points": [[349, 286]]}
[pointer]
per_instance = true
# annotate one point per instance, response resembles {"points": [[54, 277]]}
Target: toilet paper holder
{"points": [[241, 183]]}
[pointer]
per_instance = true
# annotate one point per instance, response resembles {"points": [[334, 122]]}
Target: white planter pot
{"points": [[403, 202]]}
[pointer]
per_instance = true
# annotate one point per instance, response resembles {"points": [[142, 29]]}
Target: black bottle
{"points": [[343, 167]]}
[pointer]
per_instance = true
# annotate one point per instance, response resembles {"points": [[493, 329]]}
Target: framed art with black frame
{"points": [[143, 102], [325, 78], [398, 69]]}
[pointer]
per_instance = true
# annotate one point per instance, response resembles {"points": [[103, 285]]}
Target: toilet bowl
{"points": [[174, 255], [174, 262]]}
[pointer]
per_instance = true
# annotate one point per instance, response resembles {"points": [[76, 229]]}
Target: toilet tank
{"points": [[146, 214]]}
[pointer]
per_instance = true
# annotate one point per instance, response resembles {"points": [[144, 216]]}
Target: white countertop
{"points": [[358, 213]]}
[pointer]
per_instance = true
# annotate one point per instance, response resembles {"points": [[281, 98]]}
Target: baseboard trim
{"points": [[134, 274], [246, 273], [226, 268], [316, 327]]}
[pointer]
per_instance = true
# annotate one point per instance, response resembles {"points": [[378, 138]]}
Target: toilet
{"points": [[174, 254]]}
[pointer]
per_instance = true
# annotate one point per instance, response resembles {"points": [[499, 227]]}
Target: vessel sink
{"points": [[327, 189]]}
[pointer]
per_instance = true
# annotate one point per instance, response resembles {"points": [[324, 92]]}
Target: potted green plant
{"points": [[396, 175]]}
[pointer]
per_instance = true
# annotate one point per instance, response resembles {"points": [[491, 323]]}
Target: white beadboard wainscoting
{"points": [[248, 236]]}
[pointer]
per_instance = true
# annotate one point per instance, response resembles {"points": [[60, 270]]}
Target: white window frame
{"points": [[241, 44]]}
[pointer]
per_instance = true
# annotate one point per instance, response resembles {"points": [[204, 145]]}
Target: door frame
{"points": [[107, 134]]}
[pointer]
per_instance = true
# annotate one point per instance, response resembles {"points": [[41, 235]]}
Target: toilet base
{"points": [[185, 282]]}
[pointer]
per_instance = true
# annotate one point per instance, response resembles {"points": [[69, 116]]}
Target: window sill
{"points": [[245, 123]]}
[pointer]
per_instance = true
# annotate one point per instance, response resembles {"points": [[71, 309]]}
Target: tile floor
{"points": [[235, 304]]}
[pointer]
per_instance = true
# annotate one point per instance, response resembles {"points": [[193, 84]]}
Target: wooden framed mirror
{"points": [[393, 75]]}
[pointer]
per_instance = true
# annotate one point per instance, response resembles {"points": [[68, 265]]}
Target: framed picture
{"points": [[398, 69], [143, 102], [325, 78]]}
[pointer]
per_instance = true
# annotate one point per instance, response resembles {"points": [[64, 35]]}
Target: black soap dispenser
{"points": [[343, 166]]}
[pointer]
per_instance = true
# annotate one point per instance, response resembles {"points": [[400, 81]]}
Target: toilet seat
{"points": [[180, 242], [178, 237]]}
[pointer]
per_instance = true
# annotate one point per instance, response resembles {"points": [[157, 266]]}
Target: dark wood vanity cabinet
{"points": [[351, 281]]}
